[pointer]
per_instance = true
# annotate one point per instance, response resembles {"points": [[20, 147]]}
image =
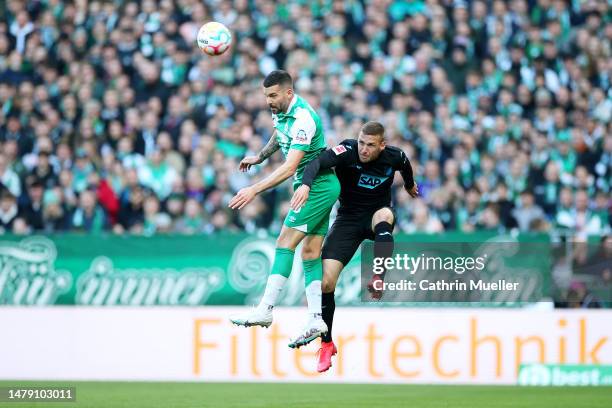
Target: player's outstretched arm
{"points": [[326, 160], [286, 170], [269, 149]]}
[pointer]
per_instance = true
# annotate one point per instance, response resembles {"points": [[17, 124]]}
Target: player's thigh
{"points": [[289, 238], [343, 240], [331, 273], [313, 217], [311, 247], [384, 214]]}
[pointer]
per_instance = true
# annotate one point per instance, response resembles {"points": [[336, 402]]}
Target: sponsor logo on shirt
{"points": [[339, 150], [300, 137], [369, 181]]}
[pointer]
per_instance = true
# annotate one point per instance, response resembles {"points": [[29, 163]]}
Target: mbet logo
{"points": [[564, 375]]}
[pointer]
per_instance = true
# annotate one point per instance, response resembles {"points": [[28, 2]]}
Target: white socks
{"points": [[274, 287], [313, 296]]}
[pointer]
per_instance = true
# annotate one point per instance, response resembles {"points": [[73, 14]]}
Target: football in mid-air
{"points": [[214, 38]]}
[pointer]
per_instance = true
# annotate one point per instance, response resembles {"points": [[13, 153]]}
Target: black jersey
{"points": [[365, 186]]}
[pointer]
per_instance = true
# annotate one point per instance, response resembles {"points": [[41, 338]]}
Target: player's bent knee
{"points": [[383, 215], [328, 284], [289, 238], [283, 242], [311, 247], [310, 252]]}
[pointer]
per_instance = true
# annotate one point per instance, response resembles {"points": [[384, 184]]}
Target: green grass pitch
{"points": [[268, 395]]}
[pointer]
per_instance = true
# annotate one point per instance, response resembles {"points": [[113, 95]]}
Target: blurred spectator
{"points": [[505, 108], [154, 219], [585, 221], [440, 208], [56, 210], [21, 227], [31, 210], [505, 206], [422, 220], [175, 206], [432, 179], [603, 269], [88, 216], [467, 216], [547, 193], [490, 220], [527, 213], [9, 178], [579, 218], [579, 297], [20, 28], [106, 196], [192, 222], [157, 174], [8, 210], [131, 214]]}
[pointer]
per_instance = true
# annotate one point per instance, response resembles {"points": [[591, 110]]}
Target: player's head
{"points": [[371, 141], [278, 89]]}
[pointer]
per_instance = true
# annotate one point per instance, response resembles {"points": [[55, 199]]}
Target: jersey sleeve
{"points": [[405, 169], [303, 130], [339, 155]]}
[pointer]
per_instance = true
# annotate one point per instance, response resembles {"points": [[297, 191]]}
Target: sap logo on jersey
{"points": [[369, 181]]}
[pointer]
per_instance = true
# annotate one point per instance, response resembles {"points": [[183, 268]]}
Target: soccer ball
{"points": [[214, 38]]}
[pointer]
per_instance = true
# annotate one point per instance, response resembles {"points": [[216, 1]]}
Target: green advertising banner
{"points": [[109, 270], [565, 375]]}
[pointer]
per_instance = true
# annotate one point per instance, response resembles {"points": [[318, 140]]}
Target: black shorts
{"points": [[347, 233]]}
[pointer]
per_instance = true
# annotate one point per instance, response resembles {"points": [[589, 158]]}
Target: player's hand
{"points": [[300, 197], [242, 198], [247, 162], [375, 289], [414, 191]]}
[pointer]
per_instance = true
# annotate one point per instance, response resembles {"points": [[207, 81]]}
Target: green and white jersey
{"points": [[300, 128]]}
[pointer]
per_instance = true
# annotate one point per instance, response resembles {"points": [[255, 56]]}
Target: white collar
{"points": [[293, 101]]}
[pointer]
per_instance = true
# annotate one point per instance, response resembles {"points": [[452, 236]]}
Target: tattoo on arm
{"points": [[270, 147]]}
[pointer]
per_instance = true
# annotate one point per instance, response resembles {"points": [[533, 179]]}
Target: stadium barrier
{"points": [[391, 345]]}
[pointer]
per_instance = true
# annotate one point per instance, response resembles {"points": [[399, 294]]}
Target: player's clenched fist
{"points": [[300, 197], [247, 162], [414, 191]]}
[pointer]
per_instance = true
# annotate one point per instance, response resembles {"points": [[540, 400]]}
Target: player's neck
{"points": [[291, 103]]}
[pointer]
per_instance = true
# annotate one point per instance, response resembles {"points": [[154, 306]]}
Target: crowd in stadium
{"points": [[112, 119]]}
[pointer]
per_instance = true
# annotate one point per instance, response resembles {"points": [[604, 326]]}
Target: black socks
{"points": [[383, 240], [328, 307]]}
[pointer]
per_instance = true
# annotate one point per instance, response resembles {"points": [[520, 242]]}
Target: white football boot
{"points": [[259, 316], [315, 327]]}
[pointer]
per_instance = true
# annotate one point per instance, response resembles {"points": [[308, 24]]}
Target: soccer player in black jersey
{"points": [[365, 168]]}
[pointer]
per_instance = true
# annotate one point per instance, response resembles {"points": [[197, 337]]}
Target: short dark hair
{"points": [[278, 77], [373, 128]]}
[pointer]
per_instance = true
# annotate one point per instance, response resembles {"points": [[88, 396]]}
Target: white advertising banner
{"points": [[392, 345]]}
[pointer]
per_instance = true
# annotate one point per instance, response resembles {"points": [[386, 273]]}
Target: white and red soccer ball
{"points": [[214, 38]]}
